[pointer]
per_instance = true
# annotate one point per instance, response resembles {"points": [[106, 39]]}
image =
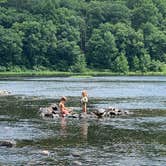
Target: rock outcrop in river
{"points": [[53, 112]]}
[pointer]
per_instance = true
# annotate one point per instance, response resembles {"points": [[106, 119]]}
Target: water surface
{"points": [[136, 139]]}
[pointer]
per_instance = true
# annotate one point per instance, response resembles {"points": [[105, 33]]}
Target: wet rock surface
{"points": [[53, 112], [4, 93], [7, 143], [77, 163], [109, 112]]}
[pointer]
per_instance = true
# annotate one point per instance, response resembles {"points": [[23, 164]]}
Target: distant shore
{"points": [[70, 74]]}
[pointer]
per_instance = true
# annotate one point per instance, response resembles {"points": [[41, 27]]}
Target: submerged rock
{"points": [[4, 93], [89, 115], [8, 144], [73, 115], [77, 163], [76, 154], [45, 152], [83, 115]]}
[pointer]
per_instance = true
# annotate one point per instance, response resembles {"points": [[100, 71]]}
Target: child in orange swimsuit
{"points": [[84, 101], [64, 111]]}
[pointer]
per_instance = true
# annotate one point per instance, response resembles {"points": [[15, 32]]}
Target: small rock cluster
{"points": [[109, 112], [53, 112]]}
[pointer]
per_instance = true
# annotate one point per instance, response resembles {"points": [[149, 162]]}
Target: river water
{"points": [[135, 139]]}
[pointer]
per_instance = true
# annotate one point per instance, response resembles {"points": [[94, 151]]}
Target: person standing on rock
{"points": [[84, 101]]}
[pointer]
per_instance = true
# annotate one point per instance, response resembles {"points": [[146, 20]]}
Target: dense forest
{"points": [[76, 35]]}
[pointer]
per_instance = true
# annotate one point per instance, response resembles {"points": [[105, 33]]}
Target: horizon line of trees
{"points": [[73, 35]]}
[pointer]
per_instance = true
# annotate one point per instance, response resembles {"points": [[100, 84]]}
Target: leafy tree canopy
{"points": [[73, 35]]}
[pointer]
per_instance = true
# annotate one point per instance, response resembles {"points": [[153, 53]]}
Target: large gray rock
{"points": [[7, 143], [4, 93], [50, 112]]}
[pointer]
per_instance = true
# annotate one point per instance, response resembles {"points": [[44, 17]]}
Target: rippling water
{"points": [[136, 139]]}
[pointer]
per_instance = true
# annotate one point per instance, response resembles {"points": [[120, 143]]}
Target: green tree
{"points": [[68, 55], [155, 66], [68, 34], [9, 16], [102, 49], [79, 61], [145, 61], [155, 42], [147, 12], [128, 41], [121, 64], [39, 42], [161, 5], [135, 64], [116, 12], [10, 47]]}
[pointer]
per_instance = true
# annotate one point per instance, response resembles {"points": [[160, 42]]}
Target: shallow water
{"points": [[135, 139]]}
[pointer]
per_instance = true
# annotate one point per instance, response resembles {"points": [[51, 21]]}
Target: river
{"points": [[135, 139]]}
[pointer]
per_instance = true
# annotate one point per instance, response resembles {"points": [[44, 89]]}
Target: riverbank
{"points": [[71, 74]]}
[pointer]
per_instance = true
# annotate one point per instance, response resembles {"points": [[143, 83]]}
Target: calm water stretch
{"points": [[135, 139]]}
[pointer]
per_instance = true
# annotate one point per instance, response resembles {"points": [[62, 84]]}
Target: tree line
{"points": [[73, 35]]}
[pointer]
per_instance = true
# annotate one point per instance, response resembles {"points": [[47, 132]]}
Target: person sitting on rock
{"points": [[84, 101], [63, 110]]}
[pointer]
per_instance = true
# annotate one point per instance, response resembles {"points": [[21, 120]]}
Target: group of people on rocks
{"points": [[66, 111], [61, 110]]}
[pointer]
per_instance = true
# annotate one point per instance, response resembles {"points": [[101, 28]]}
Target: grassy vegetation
{"points": [[85, 74], [35, 73]]}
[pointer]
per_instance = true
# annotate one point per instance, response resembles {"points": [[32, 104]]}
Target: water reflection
{"points": [[63, 129], [66, 127], [84, 129]]}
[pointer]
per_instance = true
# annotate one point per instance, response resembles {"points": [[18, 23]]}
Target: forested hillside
{"points": [[73, 35]]}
